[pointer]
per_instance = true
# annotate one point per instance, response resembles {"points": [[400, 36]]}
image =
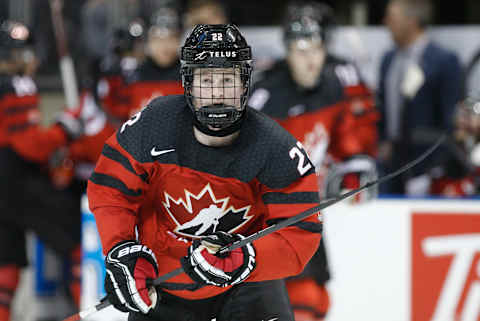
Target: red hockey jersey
{"points": [[38, 143], [124, 95], [18, 107], [155, 175], [336, 116]]}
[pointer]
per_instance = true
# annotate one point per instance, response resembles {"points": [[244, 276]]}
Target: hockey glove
{"points": [[350, 174], [128, 266], [73, 126], [204, 265]]}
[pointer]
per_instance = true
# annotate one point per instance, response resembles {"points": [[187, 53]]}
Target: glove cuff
{"points": [[124, 249]]}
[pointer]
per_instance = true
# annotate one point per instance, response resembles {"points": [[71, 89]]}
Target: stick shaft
{"points": [[67, 69], [292, 220], [329, 202]]}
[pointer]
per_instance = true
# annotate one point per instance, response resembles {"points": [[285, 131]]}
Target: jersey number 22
{"points": [[303, 164]]}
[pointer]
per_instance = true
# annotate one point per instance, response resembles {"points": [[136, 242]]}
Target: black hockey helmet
{"points": [[166, 20], [307, 19], [216, 46], [13, 35], [123, 38]]}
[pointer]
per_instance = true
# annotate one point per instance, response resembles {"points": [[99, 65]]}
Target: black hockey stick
{"points": [[273, 228]]}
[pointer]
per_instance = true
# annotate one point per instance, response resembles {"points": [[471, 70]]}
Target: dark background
{"points": [[267, 12], [36, 14]]}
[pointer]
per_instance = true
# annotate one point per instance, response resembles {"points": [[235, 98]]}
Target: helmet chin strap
{"points": [[226, 118], [221, 132]]}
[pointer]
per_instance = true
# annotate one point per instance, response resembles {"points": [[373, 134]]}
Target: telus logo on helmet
{"points": [[215, 54]]}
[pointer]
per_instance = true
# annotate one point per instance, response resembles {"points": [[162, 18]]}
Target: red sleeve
{"points": [[114, 224], [37, 144], [357, 131], [286, 252], [115, 193], [365, 114], [88, 148], [116, 99]]}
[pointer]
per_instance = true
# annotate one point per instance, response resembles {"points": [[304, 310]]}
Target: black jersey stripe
{"points": [[109, 181], [113, 154], [6, 291], [18, 109], [18, 127], [6, 297], [307, 226], [310, 227], [290, 198]]}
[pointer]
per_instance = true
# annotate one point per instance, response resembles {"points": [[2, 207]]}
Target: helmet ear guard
{"points": [[216, 46]]}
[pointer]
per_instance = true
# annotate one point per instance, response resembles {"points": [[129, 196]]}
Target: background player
{"points": [[323, 102], [28, 199], [158, 75]]}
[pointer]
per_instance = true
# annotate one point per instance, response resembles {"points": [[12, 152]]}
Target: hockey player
{"points": [[458, 174], [28, 200], [126, 53], [323, 102], [186, 155], [158, 75]]}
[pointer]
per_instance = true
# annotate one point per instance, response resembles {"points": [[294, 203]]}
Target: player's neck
{"points": [[214, 141]]}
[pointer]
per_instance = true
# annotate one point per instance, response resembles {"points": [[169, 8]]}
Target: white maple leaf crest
{"points": [[217, 216]]}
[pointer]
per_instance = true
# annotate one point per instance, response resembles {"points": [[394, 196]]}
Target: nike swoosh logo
{"points": [[156, 152], [272, 319]]}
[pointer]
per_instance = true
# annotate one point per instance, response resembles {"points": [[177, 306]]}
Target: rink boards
{"points": [[391, 259]]}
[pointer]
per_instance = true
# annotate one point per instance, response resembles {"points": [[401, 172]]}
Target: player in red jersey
{"points": [[28, 199], [125, 54], [319, 98], [158, 74], [458, 173], [323, 102], [194, 171]]}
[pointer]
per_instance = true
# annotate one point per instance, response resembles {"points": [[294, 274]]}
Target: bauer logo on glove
{"points": [[128, 266]]}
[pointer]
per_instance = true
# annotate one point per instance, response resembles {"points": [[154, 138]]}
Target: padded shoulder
{"points": [[285, 160], [153, 126]]}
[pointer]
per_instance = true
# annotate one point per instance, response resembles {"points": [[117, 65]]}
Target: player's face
{"points": [[475, 121], [27, 61], [207, 14], [217, 86], [305, 58], [163, 47], [467, 121], [10, 65]]}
